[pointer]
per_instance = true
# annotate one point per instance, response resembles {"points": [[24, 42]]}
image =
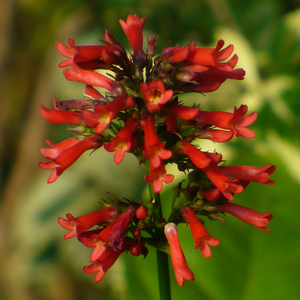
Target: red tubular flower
{"points": [[64, 154], [225, 185], [155, 94], [199, 158], [249, 173], [60, 117], [105, 261], [218, 136], [199, 233], [209, 56], [92, 78], [179, 263], [133, 28], [112, 235], [78, 54], [154, 149], [104, 114], [87, 221], [175, 54], [157, 176], [236, 121], [184, 112], [248, 215], [121, 143]]}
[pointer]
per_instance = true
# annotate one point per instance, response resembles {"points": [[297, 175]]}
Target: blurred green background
{"points": [[248, 264]]}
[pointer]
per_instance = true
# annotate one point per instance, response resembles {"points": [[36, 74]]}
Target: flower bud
{"points": [[142, 212], [136, 249]]}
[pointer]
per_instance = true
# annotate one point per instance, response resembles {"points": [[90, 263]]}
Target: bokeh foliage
{"points": [[248, 264]]}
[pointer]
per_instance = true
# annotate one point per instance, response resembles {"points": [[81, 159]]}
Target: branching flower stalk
{"points": [[141, 113]]}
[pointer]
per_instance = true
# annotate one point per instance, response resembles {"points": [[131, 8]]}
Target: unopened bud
{"points": [[136, 233], [151, 50], [136, 249], [142, 212]]}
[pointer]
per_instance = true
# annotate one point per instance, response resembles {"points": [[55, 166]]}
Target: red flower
{"points": [[105, 261], [199, 158], [199, 233], [204, 66], [154, 149], [121, 142], [236, 121], [92, 78], [224, 184], [112, 235], [180, 266], [133, 28], [104, 114], [175, 54], [79, 54], [249, 173], [155, 94], [64, 154], [184, 112], [87, 221], [248, 215], [218, 136], [157, 176], [60, 117]]}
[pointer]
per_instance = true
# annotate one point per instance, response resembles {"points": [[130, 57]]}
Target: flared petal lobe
{"points": [[87, 221], [201, 237], [64, 154]]}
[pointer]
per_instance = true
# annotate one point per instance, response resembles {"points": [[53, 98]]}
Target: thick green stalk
{"points": [[161, 257]]}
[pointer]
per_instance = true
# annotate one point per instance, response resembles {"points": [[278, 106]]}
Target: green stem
{"points": [[161, 257]]}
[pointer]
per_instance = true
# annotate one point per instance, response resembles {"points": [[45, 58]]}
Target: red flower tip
{"points": [[105, 261], [199, 158], [199, 233], [248, 215], [133, 28], [60, 117], [236, 121], [184, 112], [179, 263], [250, 173], [87, 221], [64, 154]]}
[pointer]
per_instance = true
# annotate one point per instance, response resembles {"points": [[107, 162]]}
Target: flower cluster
{"points": [[135, 108]]}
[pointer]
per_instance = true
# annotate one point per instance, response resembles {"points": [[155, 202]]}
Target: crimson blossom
{"points": [[137, 110]]}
